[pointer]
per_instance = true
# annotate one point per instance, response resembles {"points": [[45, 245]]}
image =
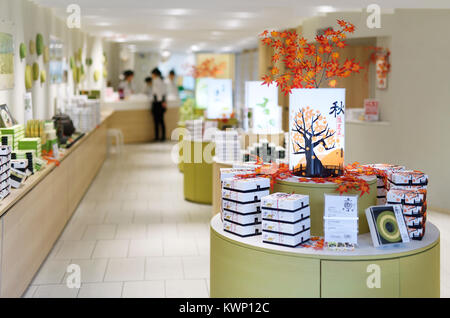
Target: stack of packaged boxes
{"points": [[285, 219], [32, 143], [268, 152], [12, 135], [382, 183], [28, 155], [409, 189], [195, 129], [227, 145], [19, 172], [241, 205], [50, 136], [5, 171]]}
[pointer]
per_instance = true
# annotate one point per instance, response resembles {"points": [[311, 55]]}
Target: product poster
{"points": [[371, 109], [220, 100], [317, 132], [201, 92], [263, 102]]}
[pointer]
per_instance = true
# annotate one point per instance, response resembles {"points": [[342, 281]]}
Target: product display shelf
{"points": [[216, 184], [197, 175], [316, 193], [409, 270]]}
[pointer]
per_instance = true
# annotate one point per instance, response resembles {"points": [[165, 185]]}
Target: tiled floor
{"points": [[133, 235]]}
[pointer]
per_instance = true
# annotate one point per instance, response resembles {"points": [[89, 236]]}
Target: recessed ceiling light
{"points": [[195, 48], [178, 11], [103, 24], [165, 53]]}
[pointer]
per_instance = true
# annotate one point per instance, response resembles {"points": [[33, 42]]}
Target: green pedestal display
{"points": [[180, 142], [247, 267], [316, 193], [197, 175]]}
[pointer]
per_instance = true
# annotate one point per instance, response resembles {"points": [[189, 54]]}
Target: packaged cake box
{"points": [[285, 216], [285, 239], [416, 234], [286, 227], [226, 173], [243, 197], [285, 201], [407, 179], [415, 222], [242, 230], [246, 185], [242, 219], [242, 208], [406, 197]]}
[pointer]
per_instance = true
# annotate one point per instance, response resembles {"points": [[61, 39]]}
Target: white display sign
{"points": [[220, 99], [201, 92], [262, 101], [317, 131], [341, 220], [257, 94]]}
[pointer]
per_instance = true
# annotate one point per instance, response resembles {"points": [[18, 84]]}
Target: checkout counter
{"points": [[133, 117]]}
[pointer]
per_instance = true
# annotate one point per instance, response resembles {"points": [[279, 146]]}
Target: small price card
{"points": [[341, 221]]}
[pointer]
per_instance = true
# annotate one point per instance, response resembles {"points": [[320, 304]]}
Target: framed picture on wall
{"points": [[6, 119]]}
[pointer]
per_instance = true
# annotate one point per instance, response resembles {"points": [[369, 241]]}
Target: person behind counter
{"points": [[148, 88], [126, 87], [159, 105], [172, 88]]}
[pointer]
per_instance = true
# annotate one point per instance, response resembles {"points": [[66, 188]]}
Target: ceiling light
{"points": [[179, 11], [195, 48], [232, 24], [325, 9], [165, 53], [103, 24]]}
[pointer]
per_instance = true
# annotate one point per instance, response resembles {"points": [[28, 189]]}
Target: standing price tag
{"points": [[341, 221]]}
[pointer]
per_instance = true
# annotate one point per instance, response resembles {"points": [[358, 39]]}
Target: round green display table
{"points": [[247, 267], [197, 169], [180, 151], [316, 193]]}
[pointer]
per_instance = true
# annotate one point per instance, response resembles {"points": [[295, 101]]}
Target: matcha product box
{"points": [[285, 201], [242, 230], [285, 239], [285, 216], [242, 219], [286, 227], [33, 143], [17, 177]]}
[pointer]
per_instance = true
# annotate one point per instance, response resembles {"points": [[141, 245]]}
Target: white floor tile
{"points": [[151, 247], [75, 249], [51, 272], [99, 232], [111, 248], [125, 269], [131, 231], [101, 290], [146, 289], [163, 268], [92, 270], [55, 291], [119, 217], [186, 288], [180, 247]]}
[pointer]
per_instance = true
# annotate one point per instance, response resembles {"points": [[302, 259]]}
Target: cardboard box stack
{"points": [[409, 189], [382, 184], [5, 171], [241, 204], [13, 135], [228, 145], [285, 219]]}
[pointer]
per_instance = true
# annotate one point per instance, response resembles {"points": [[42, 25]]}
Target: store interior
{"points": [[192, 149]]}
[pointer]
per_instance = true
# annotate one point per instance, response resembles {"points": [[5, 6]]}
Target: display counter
{"points": [[247, 267], [197, 171], [33, 217], [134, 118]]}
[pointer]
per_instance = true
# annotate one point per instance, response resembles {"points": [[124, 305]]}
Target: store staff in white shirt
{"points": [[126, 87], [148, 88], [172, 88], [159, 92]]}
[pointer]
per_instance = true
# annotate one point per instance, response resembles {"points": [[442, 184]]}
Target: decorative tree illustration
{"points": [[311, 134]]}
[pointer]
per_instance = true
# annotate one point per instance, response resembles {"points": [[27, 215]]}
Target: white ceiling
{"points": [[205, 25]]}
